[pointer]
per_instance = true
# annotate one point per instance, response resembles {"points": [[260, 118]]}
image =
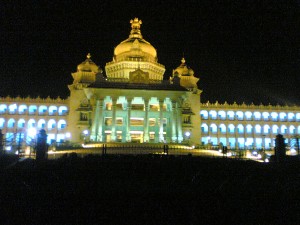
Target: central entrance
{"points": [[137, 136]]}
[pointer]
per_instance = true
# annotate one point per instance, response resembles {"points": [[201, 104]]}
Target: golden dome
{"points": [[88, 65], [135, 45]]}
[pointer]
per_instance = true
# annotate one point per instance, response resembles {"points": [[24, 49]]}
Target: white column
{"points": [[161, 127], [174, 122], [128, 137], [113, 125], [146, 121], [179, 123], [99, 132]]}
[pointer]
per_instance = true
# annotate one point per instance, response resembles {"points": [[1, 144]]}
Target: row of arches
{"points": [[33, 109], [248, 115], [32, 123], [257, 129]]}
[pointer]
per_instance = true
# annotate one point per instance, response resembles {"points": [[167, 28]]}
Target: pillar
{"points": [[161, 127], [128, 137], [146, 121], [179, 123], [174, 122], [113, 125]]}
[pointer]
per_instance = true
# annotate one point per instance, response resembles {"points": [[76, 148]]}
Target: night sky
{"points": [[242, 50]]}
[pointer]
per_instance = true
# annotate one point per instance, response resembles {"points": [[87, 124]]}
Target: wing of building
{"points": [[130, 102]]}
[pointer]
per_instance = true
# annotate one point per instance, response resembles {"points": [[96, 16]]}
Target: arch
{"points": [[42, 109], [12, 108], [249, 128], [274, 116], [51, 124], [257, 115], [240, 128], [257, 129], [297, 116], [282, 116], [248, 115], [41, 124], [62, 110], [222, 128], [213, 114], [275, 129], [213, 128], [61, 124], [222, 115], [52, 110], [231, 128], [204, 128], [292, 129], [265, 115], [283, 129], [30, 123], [230, 115], [2, 123], [204, 114], [32, 109], [266, 129], [239, 115], [298, 130], [11, 123], [3, 108], [21, 123], [22, 109], [291, 116]]}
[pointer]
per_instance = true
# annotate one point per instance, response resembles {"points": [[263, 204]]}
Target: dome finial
{"points": [[183, 60], [135, 28], [88, 56]]}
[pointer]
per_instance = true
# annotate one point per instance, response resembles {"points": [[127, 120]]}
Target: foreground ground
{"points": [[148, 189]]}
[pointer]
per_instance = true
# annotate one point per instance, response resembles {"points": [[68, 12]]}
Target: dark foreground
{"points": [[149, 190]]}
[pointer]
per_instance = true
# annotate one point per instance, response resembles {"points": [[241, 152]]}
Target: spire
{"points": [[135, 28], [88, 56]]}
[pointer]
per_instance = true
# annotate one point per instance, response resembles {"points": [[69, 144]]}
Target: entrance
{"points": [[137, 136]]}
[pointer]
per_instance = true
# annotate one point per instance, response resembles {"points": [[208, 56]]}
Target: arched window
{"points": [[266, 129], [31, 123], [204, 114], [2, 122], [204, 128], [22, 109], [52, 110], [274, 116], [21, 123], [213, 128], [222, 115], [231, 128], [249, 129], [51, 124], [298, 130], [3, 108], [12, 108], [41, 124], [240, 128], [61, 124], [275, 129], [292, 129], [239, 115], [283, 129], [282, 116], [63, 110], [222, 128], [11, 123], [230, 115], [213, 114], [291, 116], [257, 115], [265, 116], [298, 117], [32, 109], [257, 129], [42, 110], [248, 115]]}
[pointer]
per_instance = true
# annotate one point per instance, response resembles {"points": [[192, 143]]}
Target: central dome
{"points": [[135, 47]]}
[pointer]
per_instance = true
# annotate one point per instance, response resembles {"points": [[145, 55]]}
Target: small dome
{"points": [[183, 69], [88, 65], [135, 45]]}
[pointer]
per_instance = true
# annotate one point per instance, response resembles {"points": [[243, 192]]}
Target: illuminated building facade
{"points": [[131, 102]]}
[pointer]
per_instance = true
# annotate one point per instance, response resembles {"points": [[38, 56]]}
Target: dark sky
{"points": [[241, 50]]}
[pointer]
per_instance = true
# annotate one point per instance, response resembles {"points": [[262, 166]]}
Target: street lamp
{"points": [[85, 132]]}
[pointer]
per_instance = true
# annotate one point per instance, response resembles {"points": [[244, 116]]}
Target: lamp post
{"points": [[187, 135], [85, 132]]}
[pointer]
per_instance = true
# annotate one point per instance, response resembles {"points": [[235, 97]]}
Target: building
{"points": [[130, 102]]}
